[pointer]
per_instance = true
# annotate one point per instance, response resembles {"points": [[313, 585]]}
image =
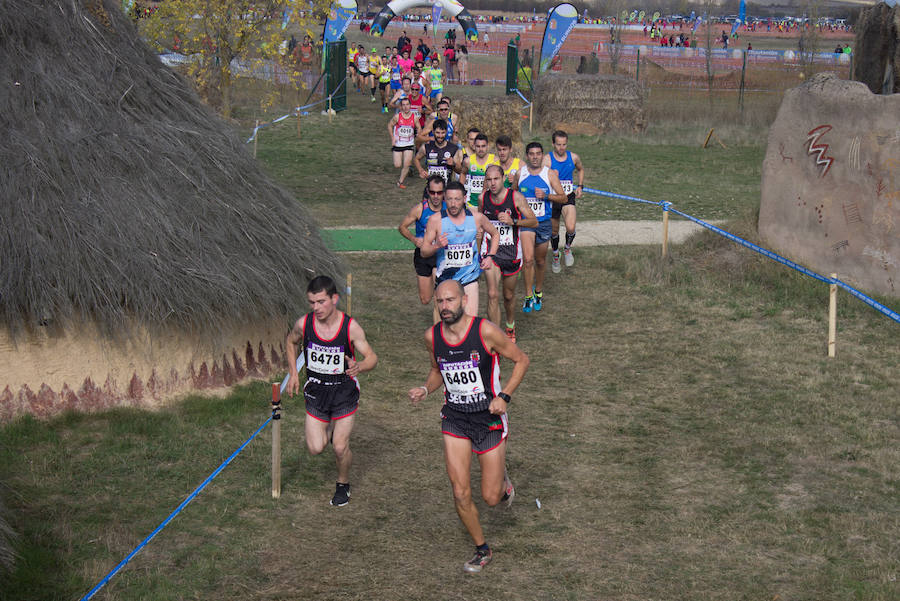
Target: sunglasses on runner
{"points": [[435, 192]]}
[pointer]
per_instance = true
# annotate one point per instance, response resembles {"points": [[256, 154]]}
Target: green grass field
{"points": [[681, 426]]}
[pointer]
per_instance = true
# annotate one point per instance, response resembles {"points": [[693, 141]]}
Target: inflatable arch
{"points": [[396, 7]]}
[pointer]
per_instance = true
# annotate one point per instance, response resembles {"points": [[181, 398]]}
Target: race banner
{"points": [[560, 22], [338, 19], [436, 15], [696, 24], [742, 17]]}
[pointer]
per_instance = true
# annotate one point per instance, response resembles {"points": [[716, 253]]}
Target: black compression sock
{"points": [[554, 241], [570, 236], [483, 548]]}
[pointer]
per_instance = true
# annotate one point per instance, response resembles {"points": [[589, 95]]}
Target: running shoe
{"points": [[528, 305], [373, 99], [341, 495], [384, 109], [538, 301], [570, 258], [554, 263], [511, 334], [477, 563], [401, 185], [510, 493]]}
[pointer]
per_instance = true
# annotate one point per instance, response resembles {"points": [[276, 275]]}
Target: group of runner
{"points": [[492, 213], [481, 212]]}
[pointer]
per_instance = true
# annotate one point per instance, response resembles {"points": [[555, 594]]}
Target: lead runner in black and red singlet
{"points": [[507, 211], [330, 342], [465, 360]]}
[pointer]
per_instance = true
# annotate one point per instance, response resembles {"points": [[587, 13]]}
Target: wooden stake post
{"points": [[832, 316], [349, 293], [665, 234], [276, 440]]}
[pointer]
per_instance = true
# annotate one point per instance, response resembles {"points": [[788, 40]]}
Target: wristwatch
{"points": [[505, 397]]}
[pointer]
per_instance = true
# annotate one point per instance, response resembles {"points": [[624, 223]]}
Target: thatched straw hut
{"points": [[144, 252], [589, 104], [493, 116]]}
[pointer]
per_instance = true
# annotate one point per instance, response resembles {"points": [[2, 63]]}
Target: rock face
{"points": [[589, 104], [831, 183], [876, 50]]}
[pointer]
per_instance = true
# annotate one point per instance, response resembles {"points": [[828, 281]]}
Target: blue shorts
{"points": [[541, 232], [434, 93]]}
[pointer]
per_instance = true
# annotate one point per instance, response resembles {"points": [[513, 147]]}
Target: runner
{"points": [[566, 163], [441, 157], [541, 188], [384, 78], [362, 68], [471, 134], [403, 92], [507, 210], [442, 113], [330, 340], [374, 72], [351, 64], [474, 166], [396, 76], [454, 238], [465, 359], [511, 165], [418, 103], [436, 81], [432, 204], [402, 129]]}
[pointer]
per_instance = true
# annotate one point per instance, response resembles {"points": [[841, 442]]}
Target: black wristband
{"points": [[505, 397]]}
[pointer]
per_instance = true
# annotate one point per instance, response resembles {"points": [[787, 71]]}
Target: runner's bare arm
{"points": [[579, 167], [417, 161], [360, 344], [423, 135], [390, 127], [408, 221], [431, 242], [433, 380], [486, 227], [497, 342], [527, 218], [294, 338], [557, 194]]}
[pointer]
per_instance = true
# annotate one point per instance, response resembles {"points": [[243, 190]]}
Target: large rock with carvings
{"points": [[876, 50], [831, 182]]}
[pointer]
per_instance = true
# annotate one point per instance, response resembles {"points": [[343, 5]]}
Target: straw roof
{"points": [[123, 198]]}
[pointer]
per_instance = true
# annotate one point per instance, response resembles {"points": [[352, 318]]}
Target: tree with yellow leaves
{"points": [[227, 37]]}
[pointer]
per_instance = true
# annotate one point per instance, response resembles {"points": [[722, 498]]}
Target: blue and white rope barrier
{"points": [[667, 206]]}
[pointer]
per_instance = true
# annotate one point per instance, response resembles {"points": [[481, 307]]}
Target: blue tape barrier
{"points": [[172, 515], [527, 102], [667, 206], [296, 111]]}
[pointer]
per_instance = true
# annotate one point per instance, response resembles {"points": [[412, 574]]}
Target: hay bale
{"points": [[493, 116], [588, 103]]}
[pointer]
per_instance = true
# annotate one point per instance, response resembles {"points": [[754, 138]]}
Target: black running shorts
{"points": [[556, 211], [508, 267], [424, 266], [327, 401], [485, 430]]}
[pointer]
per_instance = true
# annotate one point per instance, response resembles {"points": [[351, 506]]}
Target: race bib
{"points": [[476, 184], [462, 378], [324, 359], [458, 255], [537, 206], [567, 185], [438, 170], [505, 232], [405, 135]]}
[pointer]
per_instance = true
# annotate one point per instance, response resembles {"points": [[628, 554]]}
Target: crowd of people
{"points": [[484, 215]]}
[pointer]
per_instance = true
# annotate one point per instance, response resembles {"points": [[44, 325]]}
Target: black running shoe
{"points": [[477, 563], [341, 495]]}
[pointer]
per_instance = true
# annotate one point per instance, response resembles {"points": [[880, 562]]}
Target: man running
{"points": [[362, 68], [511, 165], [403, 92], [443, 113], [441, 157], [436, 81], [507, 210], [473, 168], [330, 340], [384, 79], [541, 188], [419, 215], [566, 163], [402, 128], [465, 359], [454, 239]]}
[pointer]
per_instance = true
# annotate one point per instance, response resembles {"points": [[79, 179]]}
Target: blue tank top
{"points": [[459, 260], [528, 184], [396, 78], [566, 170], [422, 221]]}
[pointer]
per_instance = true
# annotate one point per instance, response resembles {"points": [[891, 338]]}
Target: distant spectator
{"points": [[593, 66], [582, 65], [462, 63]]}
